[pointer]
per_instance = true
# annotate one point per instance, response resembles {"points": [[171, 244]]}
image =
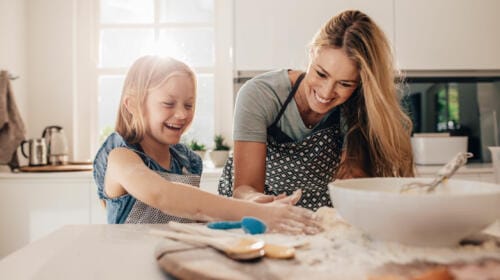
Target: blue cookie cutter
{"points": [[250, 225]]}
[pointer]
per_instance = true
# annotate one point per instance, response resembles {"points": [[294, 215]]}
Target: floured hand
{"points": [[290, 199], [281, 198], [288, 219], [329, 218]]}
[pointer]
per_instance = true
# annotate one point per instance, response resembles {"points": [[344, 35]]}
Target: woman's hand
{"points": [[290, 199], [290, 219], [259, 197], [250, 194]]}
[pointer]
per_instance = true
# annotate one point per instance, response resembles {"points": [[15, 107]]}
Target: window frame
{"points": [[87, 71]]}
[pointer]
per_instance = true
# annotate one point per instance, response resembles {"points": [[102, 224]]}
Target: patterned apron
{"points": [[308, 164], [142, 213]]}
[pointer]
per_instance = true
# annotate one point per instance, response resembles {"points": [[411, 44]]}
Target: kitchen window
{"points": [[183, 29]]}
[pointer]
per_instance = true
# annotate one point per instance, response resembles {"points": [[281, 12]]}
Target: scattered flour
{"points": [[344, 252]]}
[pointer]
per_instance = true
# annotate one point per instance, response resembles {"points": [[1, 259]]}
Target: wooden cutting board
{"points": [[189, 262], [185, 261], [57, 168]]}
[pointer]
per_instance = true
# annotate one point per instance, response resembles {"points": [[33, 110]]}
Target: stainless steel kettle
{"points": [[57, 145]]}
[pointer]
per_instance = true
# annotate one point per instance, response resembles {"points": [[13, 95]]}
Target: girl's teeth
{"points": [[174, 126]]}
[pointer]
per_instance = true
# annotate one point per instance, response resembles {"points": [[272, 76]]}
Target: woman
{"points": [[340, 119]]}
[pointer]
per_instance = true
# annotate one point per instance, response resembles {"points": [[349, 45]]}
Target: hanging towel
{"points": [[12, 130]]}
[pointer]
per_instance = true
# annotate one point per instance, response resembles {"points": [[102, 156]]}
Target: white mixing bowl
{"points": [[442, 218]]}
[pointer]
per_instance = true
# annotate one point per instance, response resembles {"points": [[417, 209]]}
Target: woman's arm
{"points": [[249, 169], [127, 170], [250, 173]]}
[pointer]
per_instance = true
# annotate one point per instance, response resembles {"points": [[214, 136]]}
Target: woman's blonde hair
{"points": [[378, 130], [146, 74]]}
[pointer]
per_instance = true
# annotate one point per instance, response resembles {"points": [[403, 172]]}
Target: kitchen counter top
{"points": [[467, 169], [214, 173], [47, 175], [207, 172], [87, 252], [128, 252]]}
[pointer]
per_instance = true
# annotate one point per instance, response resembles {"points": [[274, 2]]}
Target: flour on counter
{"points": [[351, 254]]}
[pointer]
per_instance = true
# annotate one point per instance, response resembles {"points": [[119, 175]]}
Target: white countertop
{"points": [[128, 252], [214, 173], [467, 169], [208, 172], [87, 252], [47, 175]]}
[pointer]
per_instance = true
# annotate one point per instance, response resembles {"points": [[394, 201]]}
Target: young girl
{"points": [[145, 176]]}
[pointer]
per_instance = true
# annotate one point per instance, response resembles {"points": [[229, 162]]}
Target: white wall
{"points": [[13, 49], [50, 65], [40, 43], [275, 34]]}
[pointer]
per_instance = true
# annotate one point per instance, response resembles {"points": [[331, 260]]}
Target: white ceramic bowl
{"points": [[443, 218]]}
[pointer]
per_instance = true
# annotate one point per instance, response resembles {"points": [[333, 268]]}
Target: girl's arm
{"points": [[126, 169]]}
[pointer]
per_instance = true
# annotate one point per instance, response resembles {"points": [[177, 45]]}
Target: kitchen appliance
{"points": [[430, 149], [459, 103], [495, 157], [37, 151], [57, 145]]}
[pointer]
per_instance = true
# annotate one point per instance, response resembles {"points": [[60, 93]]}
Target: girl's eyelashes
{"points": [[172, 104]]}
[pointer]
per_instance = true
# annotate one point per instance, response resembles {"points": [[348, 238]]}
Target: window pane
{"points": [[120, 47], [110, 88], [195, 46], [202, 128], [127, 11], [186, 11]]}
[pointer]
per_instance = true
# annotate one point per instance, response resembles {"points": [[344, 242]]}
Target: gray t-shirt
{"points": [[258, 103]]}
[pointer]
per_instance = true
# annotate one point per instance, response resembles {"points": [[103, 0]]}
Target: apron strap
{"points": [[288, 99]]}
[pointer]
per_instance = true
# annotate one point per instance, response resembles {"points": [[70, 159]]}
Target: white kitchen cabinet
{"points": [[33, 205], [275, 34], [447, 34], [210, 179]]}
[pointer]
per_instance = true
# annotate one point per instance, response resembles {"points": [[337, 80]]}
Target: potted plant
{"points": [[220, 152], [197, 148]]}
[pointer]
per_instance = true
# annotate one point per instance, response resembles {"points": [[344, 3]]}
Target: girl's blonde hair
{"points": [[378, 130], [146, 74]]}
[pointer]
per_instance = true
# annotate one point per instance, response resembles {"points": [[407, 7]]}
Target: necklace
{"points": [[304, 111]]}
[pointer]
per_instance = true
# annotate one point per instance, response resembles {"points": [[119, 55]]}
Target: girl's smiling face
{"points": [[169, 110], [332, 77]]}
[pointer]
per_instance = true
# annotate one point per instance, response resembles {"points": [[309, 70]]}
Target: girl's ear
{"points": [[130, 104]]}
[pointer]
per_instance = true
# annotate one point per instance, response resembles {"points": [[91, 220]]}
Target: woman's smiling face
{"points": [[331, 78], [169, 109]]}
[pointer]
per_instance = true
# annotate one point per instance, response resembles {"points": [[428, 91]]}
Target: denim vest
{"points": [[184, 161]]}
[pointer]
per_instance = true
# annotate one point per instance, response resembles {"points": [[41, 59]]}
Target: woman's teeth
{"points": [[322, 100]]}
